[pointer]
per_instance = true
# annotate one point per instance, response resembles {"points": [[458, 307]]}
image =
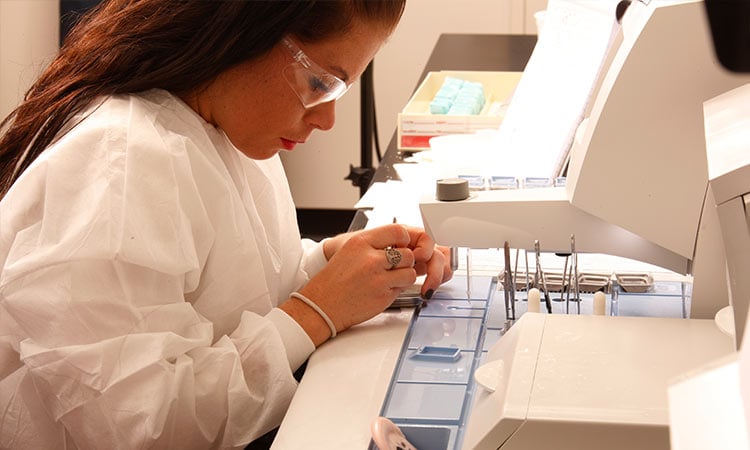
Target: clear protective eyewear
{"points": [[312, 84]]}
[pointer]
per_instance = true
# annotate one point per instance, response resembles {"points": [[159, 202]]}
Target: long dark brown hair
{"points": [[128, 46]]}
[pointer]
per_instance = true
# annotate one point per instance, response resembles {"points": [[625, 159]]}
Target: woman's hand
{"points": [[430, 260], [359, 281]]}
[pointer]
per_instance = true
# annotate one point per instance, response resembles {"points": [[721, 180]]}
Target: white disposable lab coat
{"points": [[142, 256]]}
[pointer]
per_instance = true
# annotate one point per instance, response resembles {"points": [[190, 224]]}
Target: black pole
{"points": [[367, 112], [362, 176]]}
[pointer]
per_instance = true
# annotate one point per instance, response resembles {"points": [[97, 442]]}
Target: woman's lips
{"points": [[287, 144]]}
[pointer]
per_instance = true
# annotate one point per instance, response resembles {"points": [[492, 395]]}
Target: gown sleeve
{"points": [[314, 259]]}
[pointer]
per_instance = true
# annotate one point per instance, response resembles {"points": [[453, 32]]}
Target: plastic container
{"points": [[416, 125]]}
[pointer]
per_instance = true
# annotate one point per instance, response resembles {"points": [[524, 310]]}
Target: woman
{"points": [[154, 291]]}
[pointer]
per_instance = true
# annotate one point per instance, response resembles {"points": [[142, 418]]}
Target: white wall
{"points": [[316, 170], [29, 36]]}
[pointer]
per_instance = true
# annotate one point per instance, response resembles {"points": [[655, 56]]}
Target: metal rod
{"points": [[567, 294], [454, 258], [540, 274], [564, 273], [510, 301], [575, 272], [526, 257], [468, 275]]}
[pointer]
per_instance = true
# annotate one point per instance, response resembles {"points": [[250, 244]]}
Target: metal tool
{"points": [[468, 275], [515, 271], [573, 278], [509, 286], [539, 275], [526, 258], [454, 258], [570, 287], [564, 274]]}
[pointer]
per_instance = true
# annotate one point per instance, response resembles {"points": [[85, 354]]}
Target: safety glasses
{"points": [[312, 84]]}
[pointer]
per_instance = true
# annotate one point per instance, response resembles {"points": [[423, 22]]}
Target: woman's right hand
{"points": [[358, 282]]}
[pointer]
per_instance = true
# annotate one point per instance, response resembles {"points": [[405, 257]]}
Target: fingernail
{"points": [[428, 295]]}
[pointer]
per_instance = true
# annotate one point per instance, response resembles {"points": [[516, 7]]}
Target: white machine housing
{"points": [[727, 128], [586, 382], [710, 408], [600, 382], [637, 178]]}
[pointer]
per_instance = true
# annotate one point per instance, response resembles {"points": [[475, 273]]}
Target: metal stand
{"points": [[362, 176]]}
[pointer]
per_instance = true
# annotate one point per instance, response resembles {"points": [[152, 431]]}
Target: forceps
{"points": [[573, 278], [540, 275], [509, 286]]}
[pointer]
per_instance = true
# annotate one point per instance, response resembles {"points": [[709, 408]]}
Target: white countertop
{"points": [[344, 384]]}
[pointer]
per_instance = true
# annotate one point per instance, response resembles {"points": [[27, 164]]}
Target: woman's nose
{"points": [[322, 116]]}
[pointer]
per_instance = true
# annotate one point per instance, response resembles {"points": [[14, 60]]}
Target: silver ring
{"points": [[393, 256]]}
